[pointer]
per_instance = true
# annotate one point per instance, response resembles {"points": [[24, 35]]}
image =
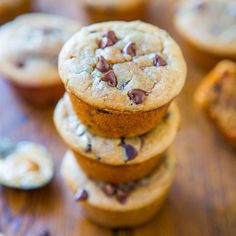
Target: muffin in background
{"points": [[110, 10], [216, 96], [208, 28], [9, 9], [29, 48]]}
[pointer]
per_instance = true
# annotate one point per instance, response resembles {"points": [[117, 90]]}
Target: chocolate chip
{"points": [[44, 233], [137, 95], [217, 88], [102, 64], [98, 158], [111, 35], [20, 64], [130, 151], [108, 39], [130, 49], [81, 195], [159, 61], [89, 148], [105, 42], [122, 195], [109, 190], [167, 115], [110, 78], [200, 5]]}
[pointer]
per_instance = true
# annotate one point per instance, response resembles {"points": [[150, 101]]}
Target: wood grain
{"points": [[202, 200]]}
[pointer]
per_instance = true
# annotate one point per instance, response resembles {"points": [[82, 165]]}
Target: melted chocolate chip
{"points": [[109, 190], [105, 42], [20, 64], [44, 233], [102, 64], [81, 195], [108, 39], [130, 151], [137, 95], [130, 49], [110, 78], [122, 195], [111, 35], [89, 148], [159, 61]]}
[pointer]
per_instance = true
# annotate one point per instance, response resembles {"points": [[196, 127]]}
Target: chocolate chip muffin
{"points": [[115, 160], [12, 8], [123, 205], [121, 76], [208, 28], [216, 96], [106, 10], [29, 48]]}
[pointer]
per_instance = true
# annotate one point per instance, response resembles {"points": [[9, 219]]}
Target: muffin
{"points": [[123, 205], [12, 8], [29, 48], [216, 96], [115, 160], [121, 76], [208, 28], [106, 10]]}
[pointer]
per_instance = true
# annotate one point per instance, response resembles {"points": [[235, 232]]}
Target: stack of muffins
{"points": [[118, 119]]}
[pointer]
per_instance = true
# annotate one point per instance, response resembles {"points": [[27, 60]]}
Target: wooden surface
{"points": [[202, 201]]}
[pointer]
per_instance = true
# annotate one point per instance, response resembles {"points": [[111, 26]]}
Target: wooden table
{"points": [[202, 201]]}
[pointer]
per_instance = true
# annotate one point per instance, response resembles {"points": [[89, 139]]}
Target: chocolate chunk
{"points": [[105, 42], [137, 95], [20, 64], [122, 195], [110, 78], [130, 151], [111, 35], [108, 39], [102, 64], [159, 61], [109, 190], [44, 233], [89, 148], [130, 49], [81, 195]]}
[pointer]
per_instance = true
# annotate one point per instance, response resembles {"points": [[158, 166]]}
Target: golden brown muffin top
{"points": [[124, 66]]}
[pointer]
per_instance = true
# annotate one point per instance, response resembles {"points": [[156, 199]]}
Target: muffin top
{"points": [[118, 151], [134, 195], [211, 24], [120, 4], [29, 47], [123, 66]]}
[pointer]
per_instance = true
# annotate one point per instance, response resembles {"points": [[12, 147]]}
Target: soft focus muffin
{"points": [[216, 96], [29, 48], [121, 76], [107, 10], [12, 8], [115, 160], [209, 28], [122, 205]]}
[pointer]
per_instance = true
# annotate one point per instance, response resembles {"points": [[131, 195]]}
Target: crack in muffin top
{"points": [[30, 44], [123, 66], [211, 23]]}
